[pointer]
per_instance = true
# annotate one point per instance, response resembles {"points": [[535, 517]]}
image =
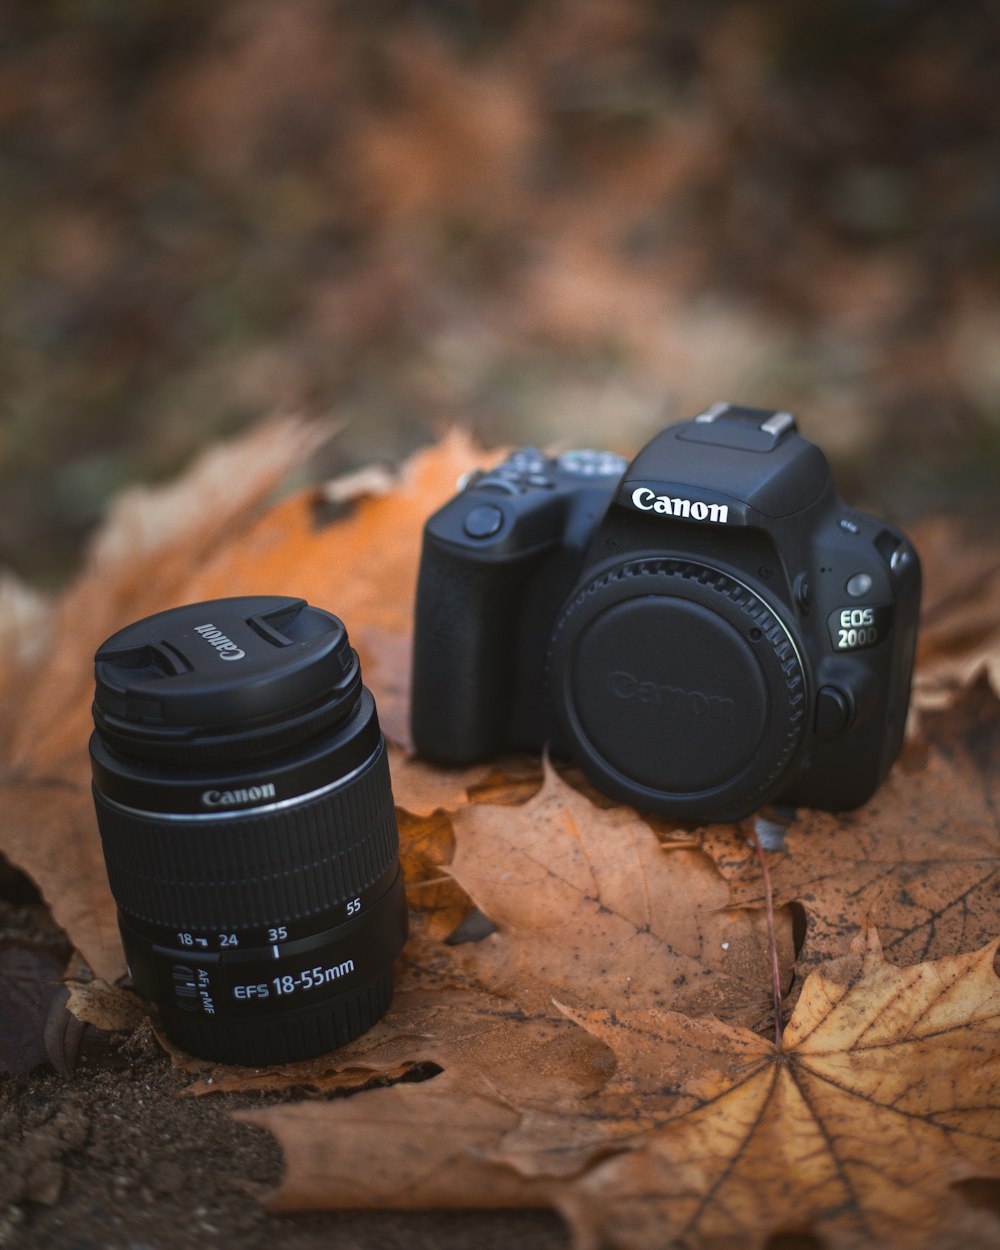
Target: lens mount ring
{"points": [[678, 688]]}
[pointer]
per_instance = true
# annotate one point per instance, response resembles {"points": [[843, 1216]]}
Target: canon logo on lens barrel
{"points": [[260, 931], [233, 798]]}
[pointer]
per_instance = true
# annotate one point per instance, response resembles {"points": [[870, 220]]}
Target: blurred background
{"points": [[564, 221]]}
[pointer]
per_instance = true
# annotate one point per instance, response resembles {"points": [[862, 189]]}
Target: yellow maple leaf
{"points": [[860, 1129], [884, 1094]]}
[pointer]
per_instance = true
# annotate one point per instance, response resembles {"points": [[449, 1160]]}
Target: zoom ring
{"points": [[286, 863]]}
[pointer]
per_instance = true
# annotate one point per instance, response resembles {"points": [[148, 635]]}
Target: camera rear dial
{"points": [[679, 689]]}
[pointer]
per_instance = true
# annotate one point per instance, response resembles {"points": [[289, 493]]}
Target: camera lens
{"points": [[679, 689], [243, 798]]}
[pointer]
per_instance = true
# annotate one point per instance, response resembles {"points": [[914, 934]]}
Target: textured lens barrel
{"points": [[248, 828]]}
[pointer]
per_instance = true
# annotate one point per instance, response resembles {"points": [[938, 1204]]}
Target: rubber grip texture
{"points": [[464, 656], [247, 869]]}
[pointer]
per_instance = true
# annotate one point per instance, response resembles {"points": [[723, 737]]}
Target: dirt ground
{"points": [[114, 1155]]}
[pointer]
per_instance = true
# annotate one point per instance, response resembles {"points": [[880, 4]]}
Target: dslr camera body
{"points": [[703, 631]]}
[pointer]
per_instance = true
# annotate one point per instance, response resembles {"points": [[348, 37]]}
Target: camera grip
{"points": [[464, 659]]}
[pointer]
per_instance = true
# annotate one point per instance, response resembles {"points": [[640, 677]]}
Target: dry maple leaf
{"points": [[363, 566], [140, 562], [412, 1147], [539, 1059], [960, 620], [885, 1093], [884, 1096], [422, 789], [921, 859], [590, 909], [197, 539]]}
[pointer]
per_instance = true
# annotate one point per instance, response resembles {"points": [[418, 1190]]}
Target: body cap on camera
{"points": [[246, 675]]}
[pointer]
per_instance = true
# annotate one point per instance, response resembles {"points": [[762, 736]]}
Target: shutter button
{"points": [[483, 522]]}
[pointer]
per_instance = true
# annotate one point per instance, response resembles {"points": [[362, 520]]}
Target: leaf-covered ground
{"points": [[584, 1019]]}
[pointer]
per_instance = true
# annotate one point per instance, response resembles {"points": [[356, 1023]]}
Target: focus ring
{"points": [[233, 873]]}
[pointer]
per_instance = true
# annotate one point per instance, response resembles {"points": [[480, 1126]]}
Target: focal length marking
{"points": [[647, 500], [307, 979]]}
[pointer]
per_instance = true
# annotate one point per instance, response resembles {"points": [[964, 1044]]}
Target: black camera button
{"points": [[901, 559], [584, 462], [834, 712], [483, 522], [503, 485], [526, 460]]}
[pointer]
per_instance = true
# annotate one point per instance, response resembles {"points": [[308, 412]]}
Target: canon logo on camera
{"points": [[695, 702], [227, 649], [647, 500]]}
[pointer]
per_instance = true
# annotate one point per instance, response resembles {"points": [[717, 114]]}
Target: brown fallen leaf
{"points": [[921, 859], [960, 621], [424, 797], [106, 1007], [140, 562], [363, 566], [882, 1099], [884, 1094], [421, 789], [590, 909], [196, 539], [412, 1147], [325, 1075], [426, 845], [543, 1060], [477, 1088]]}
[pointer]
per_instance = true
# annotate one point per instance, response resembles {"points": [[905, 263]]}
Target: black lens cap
{"points": [[678, 689], [224, 679], [670, 694]]}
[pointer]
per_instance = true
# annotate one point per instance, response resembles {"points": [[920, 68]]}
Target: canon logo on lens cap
{"points": [[227, 649], [696, 703]]}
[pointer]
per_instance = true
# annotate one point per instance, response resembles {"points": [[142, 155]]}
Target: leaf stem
{"points": [[772, 944]]}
